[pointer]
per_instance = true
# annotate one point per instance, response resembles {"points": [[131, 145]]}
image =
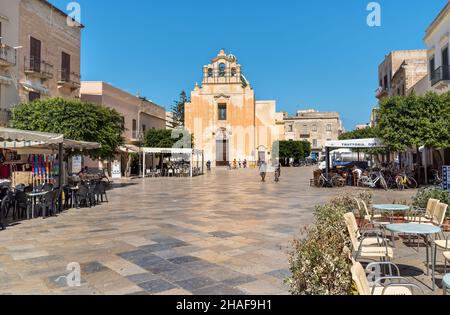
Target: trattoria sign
{"points": [[355, 144]]}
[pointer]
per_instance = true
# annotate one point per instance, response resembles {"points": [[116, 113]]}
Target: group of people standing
{"points": [[263, 171], [262, 166], [236, 164]]}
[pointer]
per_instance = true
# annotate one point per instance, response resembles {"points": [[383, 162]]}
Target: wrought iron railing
{"points": [[38, 66], [8, 54], [69, 77], [440, 74]]}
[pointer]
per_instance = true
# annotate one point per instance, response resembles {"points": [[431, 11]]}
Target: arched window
{"points": [[233, 72], [222, 68], [210, 73]]}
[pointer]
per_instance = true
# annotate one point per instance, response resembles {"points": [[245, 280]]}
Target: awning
{"points": [[34, 87], [167, 151], [356, 144], [6, 80], [129, 148], [81, 145], [24, 138], [15, 139]]}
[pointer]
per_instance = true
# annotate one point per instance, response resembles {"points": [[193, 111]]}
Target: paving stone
{"points": [[156, 286], [219, 289], [195, 283]]}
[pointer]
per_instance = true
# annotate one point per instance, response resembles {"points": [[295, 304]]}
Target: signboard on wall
{"points": [[116, 169], [446, 177], [76, 164]]}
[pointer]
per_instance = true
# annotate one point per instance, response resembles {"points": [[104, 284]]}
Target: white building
{"points": [[438, 79], [437, 42]]}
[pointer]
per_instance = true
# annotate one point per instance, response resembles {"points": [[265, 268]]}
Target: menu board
{"points": [[446, 177], [116, 170]]}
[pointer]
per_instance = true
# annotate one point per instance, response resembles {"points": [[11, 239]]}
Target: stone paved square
{"points": [[222, 233]]}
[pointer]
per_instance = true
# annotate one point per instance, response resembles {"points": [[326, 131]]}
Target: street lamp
{"points": [[141, 142]]}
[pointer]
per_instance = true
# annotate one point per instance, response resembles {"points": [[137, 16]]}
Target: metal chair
{"points": [[391, 284], [82, 196]]}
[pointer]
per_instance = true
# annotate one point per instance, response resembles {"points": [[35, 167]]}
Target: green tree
{"points": [[413, 121], [163, 138], [75, 119], [178, 110], [297, 150], [360, 134]]}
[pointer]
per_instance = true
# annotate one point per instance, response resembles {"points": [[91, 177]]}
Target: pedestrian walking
{"points": [[277, 172], [263, 170]]}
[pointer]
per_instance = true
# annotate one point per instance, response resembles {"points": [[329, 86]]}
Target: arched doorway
{"points": [[222, 147]]}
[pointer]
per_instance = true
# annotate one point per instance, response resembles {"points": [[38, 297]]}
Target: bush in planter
{"points": [[318, 262], [422, 197]]}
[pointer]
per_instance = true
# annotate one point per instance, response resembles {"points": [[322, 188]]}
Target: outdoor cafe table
{"points": [[420, 230], [392, 208], [73, 190], [33, 195]]}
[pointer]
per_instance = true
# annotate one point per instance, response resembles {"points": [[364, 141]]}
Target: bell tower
{"points": [[224, 69]]}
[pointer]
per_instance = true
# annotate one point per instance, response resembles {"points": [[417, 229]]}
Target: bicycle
{"points": [[335, 181], [405, 181], [372, 180], [437, 180]]}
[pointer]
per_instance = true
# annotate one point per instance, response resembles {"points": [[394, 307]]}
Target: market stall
{"points": [[35, 158]]}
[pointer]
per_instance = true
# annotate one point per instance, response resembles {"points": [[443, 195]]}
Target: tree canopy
{"points": [[162, 138], [413, 121], [75, 119], [365, 133], [297, 150]]}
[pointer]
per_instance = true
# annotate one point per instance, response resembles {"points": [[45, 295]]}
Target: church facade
{"points": [[225, 118]]}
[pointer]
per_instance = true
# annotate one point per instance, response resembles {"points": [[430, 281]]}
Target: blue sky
{"points": [[303, 54]]}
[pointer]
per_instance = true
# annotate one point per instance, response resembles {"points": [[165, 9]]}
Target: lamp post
{"points": [[141, 142]]}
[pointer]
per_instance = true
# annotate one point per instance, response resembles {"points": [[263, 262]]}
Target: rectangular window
{"points": [[35, 54], [222, 112], [290, 128], [445, 56], [314, 128], [144, 129], [65, 67], [314, 144], [432, 65], [305, 129], [445, 64], [386, 87], [135, 134], [329, 128], [32, 96]]}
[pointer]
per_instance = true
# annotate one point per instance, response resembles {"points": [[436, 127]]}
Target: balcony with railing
{"points": [[440, 75], [39, 68], [7, 56], [69, 79], [381, 92]]}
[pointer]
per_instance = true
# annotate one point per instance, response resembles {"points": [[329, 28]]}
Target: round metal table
{"points": [[392, 208], [424, 230]]}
